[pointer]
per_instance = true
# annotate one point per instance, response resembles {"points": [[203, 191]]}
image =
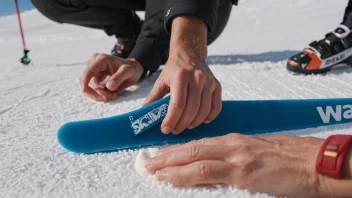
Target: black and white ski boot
{"points": [[320, 56]]}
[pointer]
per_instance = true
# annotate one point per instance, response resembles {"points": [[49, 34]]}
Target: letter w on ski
{"points": [[337, 113]]}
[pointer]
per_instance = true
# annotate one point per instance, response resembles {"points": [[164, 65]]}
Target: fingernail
{"points": [[161, 175], [207, 121], [112, 84], [166, 130], [174, 132], [191, 127]]}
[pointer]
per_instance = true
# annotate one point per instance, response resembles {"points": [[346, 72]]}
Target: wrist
{"points": [[139, 69], [338, 187]]}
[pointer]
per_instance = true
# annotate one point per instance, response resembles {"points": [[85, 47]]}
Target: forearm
{"points": [[188, 37]]}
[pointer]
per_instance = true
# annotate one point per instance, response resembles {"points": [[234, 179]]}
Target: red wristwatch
{"points": [[332, 155]]}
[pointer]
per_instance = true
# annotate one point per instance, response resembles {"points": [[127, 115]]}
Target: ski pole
{"points": [[25, 59]]}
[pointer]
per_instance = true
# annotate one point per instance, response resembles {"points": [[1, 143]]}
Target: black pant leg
{"points": [[152, 45], [115, 17], [224, 11]]}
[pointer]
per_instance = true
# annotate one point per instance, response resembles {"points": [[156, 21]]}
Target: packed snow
{"points": [[35, 100]]}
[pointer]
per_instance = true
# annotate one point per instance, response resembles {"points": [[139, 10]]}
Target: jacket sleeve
{"points": [[206, 10], [152, 45]]}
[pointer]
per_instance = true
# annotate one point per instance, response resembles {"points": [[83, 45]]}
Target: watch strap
{"points": [[332, 155]]}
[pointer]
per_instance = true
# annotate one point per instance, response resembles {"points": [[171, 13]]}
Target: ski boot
{"points": [[320, 56], [124, 46]]}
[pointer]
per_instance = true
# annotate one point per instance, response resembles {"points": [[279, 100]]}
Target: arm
{"points": [[195, 92], [189, 39], [282, 166], [152, 48]]}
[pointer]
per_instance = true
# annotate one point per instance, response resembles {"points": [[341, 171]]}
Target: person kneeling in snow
{"points": [[175, 33]]}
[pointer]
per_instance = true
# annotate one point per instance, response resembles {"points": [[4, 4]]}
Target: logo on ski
{"points": [[337, 113], [146, 121]]}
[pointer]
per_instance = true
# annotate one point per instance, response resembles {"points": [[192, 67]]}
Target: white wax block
{"points": [[142, 157], [101, 84]]}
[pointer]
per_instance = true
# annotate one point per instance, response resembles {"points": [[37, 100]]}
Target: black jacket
{"points": [[152, 45]]}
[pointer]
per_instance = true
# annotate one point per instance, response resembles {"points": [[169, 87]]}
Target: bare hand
{"points": [[121, 73], [277, 165], [195, 92]]}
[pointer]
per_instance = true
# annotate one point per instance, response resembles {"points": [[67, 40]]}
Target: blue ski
{"points": [[141, 128]]}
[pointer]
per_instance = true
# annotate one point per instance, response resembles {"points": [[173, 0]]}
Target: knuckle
{"points": [[247, 163], [124, 67], [191, 111], [205, 106], [181, 73], [197, 142], [164, 159], [234, 137], [244, 148], [204, 141], [199, 75], [193, 151], [95, 55], [211, 81], [203, 169], [101, 56], [214, 83]]}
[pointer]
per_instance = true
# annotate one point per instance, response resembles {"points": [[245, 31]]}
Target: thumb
{"points": [[120, 76], [158, 92]]}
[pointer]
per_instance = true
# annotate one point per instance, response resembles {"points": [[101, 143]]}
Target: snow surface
{"points": [[36, 100]]}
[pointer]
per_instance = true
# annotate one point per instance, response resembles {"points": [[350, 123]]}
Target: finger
{"points": [[204, 109], [192, 105], [123, 73], [187, 156], [205, 141], [158, 92], [216, 106], [103, 94], [197, 173], [112, 95], [95, 65], [178, 91], [93, 95]]}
